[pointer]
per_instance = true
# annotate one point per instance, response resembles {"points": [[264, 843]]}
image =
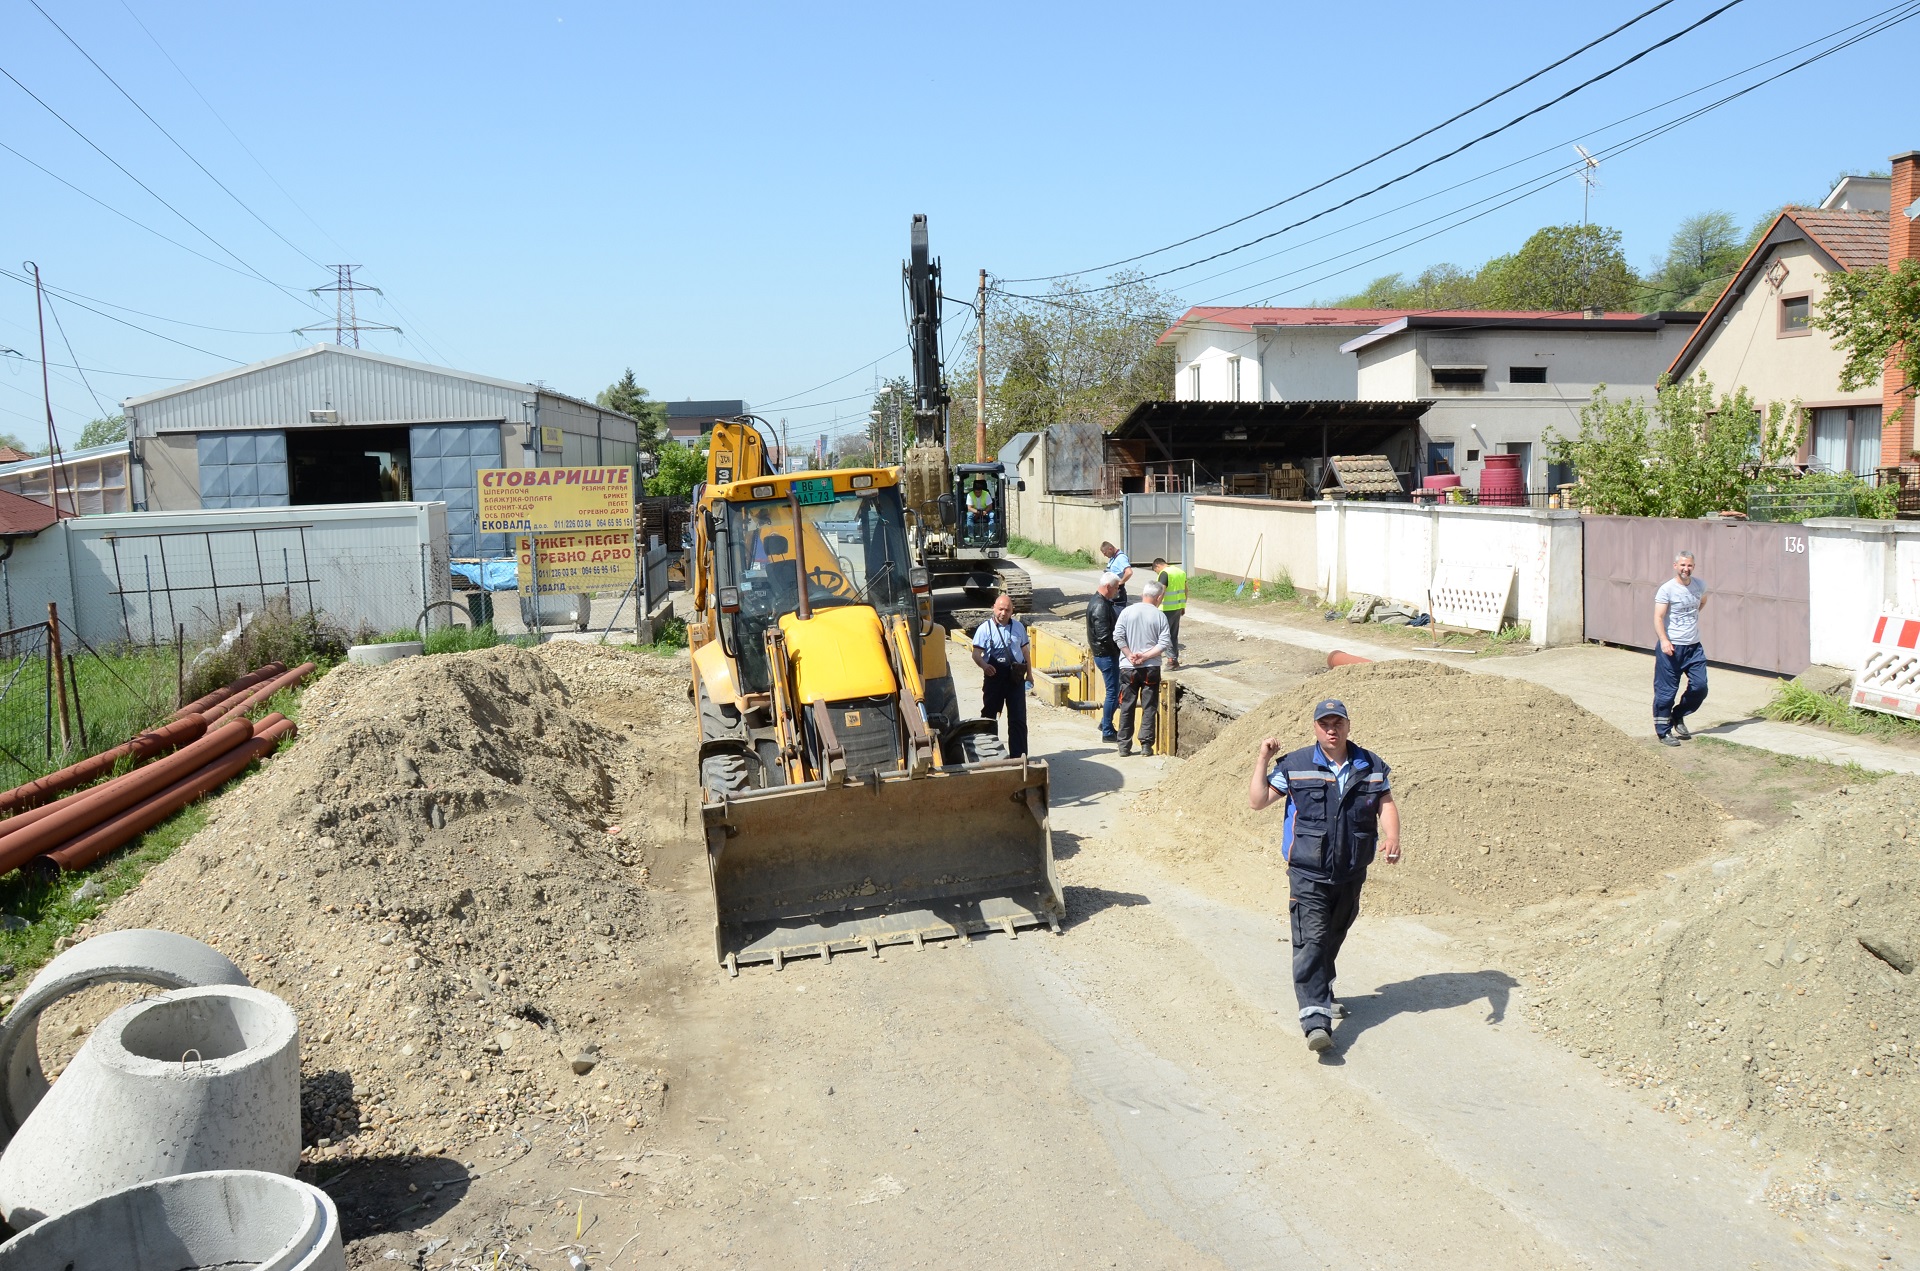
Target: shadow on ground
{"points": [[373, 1197], [1084, 902], [1442, 991], [1075, 778]]}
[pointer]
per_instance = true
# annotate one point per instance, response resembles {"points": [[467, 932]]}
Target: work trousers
{"points": [[1689, 660], [1139, 686], [1320, 913], [1007, 686], [1110, 677], [1173, 617]]}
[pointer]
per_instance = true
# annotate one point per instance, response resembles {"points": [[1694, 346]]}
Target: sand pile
{"points": [[434, 878], [1509, 794], [1778, 987]]}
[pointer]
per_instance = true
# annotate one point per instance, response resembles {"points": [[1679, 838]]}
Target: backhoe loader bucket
{"points": [[890, 859]]}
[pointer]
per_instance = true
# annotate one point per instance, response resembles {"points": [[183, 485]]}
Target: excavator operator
{"points": [[980, 507]]}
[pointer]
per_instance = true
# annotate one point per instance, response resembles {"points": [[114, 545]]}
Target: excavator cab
{"points": [[847, 800], [980, 505]]}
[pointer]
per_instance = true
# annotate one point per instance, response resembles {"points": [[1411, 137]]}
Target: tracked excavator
{"points": [[847, 799], [959, 511]]}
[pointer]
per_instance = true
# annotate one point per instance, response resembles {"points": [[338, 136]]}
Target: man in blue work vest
{"points": [[1339, 809]]}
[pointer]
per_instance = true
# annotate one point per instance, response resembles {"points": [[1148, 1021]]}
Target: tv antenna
{"points": [[1591, 166]]}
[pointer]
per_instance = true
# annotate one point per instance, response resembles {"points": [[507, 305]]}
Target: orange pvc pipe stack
{"points": [[258, 697], [90, 844], [259, 675], [158, 741], [69, 817], [1341, 658]]}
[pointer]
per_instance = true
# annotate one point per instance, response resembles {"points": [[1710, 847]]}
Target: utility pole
{"points": [[783, 443], [46, 395], [980, 378]]}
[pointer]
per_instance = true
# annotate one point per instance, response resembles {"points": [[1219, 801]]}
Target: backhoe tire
{"points": [[975, 747], [724, 775]]}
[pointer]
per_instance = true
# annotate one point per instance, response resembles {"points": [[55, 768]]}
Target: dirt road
{"points": [[1135, 1093]]}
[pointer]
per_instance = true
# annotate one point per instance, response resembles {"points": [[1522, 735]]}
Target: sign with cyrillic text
{"points": [[555, 500], [574, 562]]}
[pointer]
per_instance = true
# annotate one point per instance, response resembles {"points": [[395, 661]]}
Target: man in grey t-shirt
{"points": [[1676, 624], [1143, 637]]}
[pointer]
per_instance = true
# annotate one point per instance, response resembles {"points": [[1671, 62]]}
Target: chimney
{"points": [[1897, 439]]}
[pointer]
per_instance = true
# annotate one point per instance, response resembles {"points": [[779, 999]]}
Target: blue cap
{"points": [[1330, 706]]}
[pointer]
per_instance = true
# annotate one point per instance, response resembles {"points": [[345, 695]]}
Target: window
{"points": [[1473, 456], [1793, 314], [1526, 375], [1233, 379], [1439, 458], [1459, 377], [1847, 439], [1193, 381]]}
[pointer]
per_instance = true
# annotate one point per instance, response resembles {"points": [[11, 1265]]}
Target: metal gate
{"points": [[1756, 579], [1156, 525]]}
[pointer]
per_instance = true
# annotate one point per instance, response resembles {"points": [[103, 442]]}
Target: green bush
{"points": [[1815, 494], [669, 637], [273, 635]]}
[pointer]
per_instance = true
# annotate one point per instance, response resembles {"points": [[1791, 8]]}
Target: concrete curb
{"points": [[195, 1079], [221, 1218], [163, 958]]}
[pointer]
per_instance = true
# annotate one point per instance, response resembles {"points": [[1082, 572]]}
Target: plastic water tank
{"points": [[1501, 484]]}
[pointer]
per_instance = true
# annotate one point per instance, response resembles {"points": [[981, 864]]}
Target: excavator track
{"points": [[1017, 583]]}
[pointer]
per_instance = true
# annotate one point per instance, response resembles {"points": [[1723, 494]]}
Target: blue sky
{"points": [[718, 195]]}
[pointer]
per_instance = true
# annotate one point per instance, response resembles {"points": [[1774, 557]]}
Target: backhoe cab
{"points": [[848, 802]]}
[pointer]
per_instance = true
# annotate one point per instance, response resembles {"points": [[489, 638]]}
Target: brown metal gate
{"points": [[1756, 577]]}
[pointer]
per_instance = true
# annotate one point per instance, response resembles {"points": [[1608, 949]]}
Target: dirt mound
{"points": [[1776, 987], [1509, 793], [434, 878]]}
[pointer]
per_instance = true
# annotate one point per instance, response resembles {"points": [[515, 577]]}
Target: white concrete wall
{"points": [[1748, 349], [371, 564], [1070, 522], [1268, 539], [1857, 570], [1392, 550], [1305, 364], [1209, 348]]}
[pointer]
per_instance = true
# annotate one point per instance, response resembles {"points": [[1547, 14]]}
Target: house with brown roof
{"points": [[1758, 335]]}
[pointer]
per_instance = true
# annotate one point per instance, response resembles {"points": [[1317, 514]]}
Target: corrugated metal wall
{"points": [[360, 389]]}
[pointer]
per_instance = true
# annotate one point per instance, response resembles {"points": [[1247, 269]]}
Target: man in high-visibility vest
{"points": [[1173, 605], [980, 505]]}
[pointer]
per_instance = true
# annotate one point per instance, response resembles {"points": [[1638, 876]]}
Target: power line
{"points": [[835, 380], [1392, 181], [7, 273], [85, 382], [66, 294], [1298, 194], [169, 136], [149, 189]]}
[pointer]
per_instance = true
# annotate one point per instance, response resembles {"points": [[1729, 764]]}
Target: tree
{"points": [[1872, 315], [851, 450], [1440, 286], [104, 432], [681, 468], [891, 428], [1562, 269], [1701, 256], [1689, 456], [626, 396], [12, 442]]}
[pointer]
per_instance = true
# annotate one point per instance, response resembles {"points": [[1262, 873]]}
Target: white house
{"points": [[1258, 354], [1501, 382]]}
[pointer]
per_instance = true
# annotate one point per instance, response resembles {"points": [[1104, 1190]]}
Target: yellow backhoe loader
{"points": [[848, 802]]}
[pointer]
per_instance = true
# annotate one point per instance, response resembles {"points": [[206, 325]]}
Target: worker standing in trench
{"points": [[1339, 808]]}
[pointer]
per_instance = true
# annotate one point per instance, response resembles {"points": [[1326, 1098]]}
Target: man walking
{"points": [[1173, 603], [1120, 567], [1339, 808], [1141, 634], [1101, 618], [1676, 621], [1000, 651]]}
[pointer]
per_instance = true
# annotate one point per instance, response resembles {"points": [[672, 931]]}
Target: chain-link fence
{"points": [[62, 698]]}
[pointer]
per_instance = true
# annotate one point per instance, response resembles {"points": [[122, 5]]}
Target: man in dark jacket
{"points": [[1339, 809], [1101, 615]]}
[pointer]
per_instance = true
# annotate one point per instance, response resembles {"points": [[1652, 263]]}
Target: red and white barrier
{"points": [[1889, 676]]}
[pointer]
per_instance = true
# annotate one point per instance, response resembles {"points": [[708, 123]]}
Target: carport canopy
{"points": [[1221, 437]]}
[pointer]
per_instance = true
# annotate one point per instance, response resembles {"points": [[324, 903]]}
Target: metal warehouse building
{"points": [[338, 425]]}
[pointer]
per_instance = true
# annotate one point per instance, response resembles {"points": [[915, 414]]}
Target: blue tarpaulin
{"points": [[489, 575]]}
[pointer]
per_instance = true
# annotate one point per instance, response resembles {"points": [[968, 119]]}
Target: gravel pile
{"points": [[1510, 794], [1776, 988], [435, 878]]}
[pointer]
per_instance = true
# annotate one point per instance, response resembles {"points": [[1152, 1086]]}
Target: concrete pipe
{"points": [[219, 1218], [381, 654], [162, 958], [1340, 658], [195, 1079]]}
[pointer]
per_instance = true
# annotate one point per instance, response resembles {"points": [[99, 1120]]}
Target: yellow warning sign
{"points": [[554, 500], [574, 562]]}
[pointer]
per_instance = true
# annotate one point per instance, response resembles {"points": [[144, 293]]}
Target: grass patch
{"points": [[462, 639], [273, 635], [1227, 591], [1047, 554], [668, 638], [1797, 704], [1513, 633], [118, 695]]}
